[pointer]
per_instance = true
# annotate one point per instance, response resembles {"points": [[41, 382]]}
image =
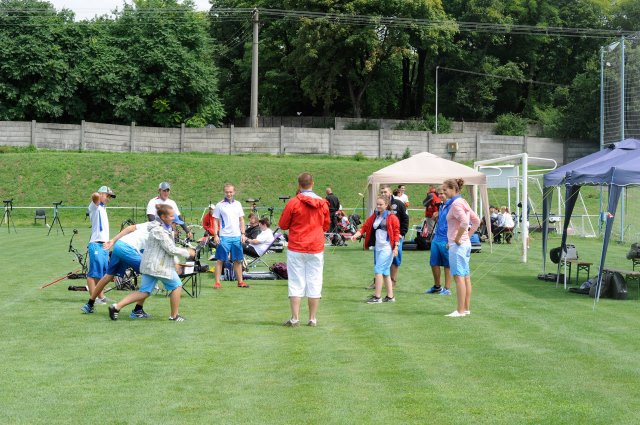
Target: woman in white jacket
{"points": [[158, 263]]}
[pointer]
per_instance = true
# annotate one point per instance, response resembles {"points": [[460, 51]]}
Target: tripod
{"points": [[8, 207], [56, 217]]}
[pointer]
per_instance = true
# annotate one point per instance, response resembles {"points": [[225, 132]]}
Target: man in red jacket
{"points": [[307, 218]]}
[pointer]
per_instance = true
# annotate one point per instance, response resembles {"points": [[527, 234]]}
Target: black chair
{"points": [[41, 214]]}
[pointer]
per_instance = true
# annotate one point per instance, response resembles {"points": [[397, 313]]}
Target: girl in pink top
{"points": [[461, 222]]}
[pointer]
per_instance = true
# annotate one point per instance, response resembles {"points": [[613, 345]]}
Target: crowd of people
{"points": [[149, 248]]}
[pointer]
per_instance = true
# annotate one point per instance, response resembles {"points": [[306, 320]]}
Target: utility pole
{"points": [[437, 67], [254, 72]]}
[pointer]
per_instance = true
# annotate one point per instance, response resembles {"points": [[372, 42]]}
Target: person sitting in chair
{"points": [[253, 229], [507, 224], [257, 246]]}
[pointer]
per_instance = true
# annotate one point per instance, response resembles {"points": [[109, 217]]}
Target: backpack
{"points": [[228, 272], [280, 269], [634, 251]]}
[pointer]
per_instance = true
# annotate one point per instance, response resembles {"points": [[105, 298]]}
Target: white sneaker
{"points": [[101, 300], [455, 314], [212, 258], [467, 312]]}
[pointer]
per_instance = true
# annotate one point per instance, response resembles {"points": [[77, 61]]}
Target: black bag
{"points": [[228, 272], [634, 251], [422, 243], [280, 269], [606, 284], [618, 290]]}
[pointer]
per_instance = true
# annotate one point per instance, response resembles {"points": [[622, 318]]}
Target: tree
{"points": [[35, 81]]}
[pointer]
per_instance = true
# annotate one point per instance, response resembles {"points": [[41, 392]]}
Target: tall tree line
{"points": [[159, 62]]}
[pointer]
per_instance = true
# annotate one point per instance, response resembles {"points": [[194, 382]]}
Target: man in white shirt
{"points": [[163, 199], [229, 217], [98, 256]]}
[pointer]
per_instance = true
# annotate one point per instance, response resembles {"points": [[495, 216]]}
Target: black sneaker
{"points": [[374, 300], [387, 299], [178, 318], [113, 312]]}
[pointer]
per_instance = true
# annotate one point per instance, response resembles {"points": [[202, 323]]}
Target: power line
{"points": [[426, 23], [502, 77]]}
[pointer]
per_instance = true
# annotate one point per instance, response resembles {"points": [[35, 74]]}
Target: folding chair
{"points": [[41, 214], [257, 260]]}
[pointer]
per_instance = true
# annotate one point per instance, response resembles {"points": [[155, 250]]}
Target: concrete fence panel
{"points": [[306, 140], [256, 140], [155, 139], [350, 142], [107, 137], [15, 133], [58, 136], [207, 140]]}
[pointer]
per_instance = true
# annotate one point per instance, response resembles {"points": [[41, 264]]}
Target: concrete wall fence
{"points": [[283, 140]]}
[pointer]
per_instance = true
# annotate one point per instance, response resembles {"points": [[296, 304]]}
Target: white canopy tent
{"points": [[426, 168]]}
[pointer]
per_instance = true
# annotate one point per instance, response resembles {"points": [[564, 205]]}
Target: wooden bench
{"points": [[628, 274], [580, 265]]}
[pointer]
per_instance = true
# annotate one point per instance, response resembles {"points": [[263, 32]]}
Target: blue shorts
{"points": [[98, 260], [439, 254], [397, 260], [123, 256], [149, 282], [459, 256], [229, 245], [382, 259]]}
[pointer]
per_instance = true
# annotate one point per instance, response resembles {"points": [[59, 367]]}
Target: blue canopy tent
{"points": [[617, 165]]}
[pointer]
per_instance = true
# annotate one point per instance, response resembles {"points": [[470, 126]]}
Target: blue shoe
{"points": [[140, 314], [445, 291], [433, 290], [87, 309]]}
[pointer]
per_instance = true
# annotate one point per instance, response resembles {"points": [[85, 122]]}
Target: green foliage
{"points": [[512, 125], [359, 156], [427, 124], [550, 118], [407, 153], [363, 125], [143, 66]]}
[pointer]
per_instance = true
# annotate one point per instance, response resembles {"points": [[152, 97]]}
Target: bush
{"points": [[512, 125], [550, 118], [363, 125], [426, 124], [359, 156], [407, 153]]}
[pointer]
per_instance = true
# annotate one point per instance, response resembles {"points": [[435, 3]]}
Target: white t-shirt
{"points": [[404, 198], [508, 220], [382, 237], [138, 238], [151, 206], [229, 215], [99, 223], [265, 237]]}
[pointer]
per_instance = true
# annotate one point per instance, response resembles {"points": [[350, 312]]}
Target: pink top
{"points": [[461, 215]]}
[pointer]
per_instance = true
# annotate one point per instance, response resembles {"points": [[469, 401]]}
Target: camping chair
{"points": [[41, 214], [257, 260]]}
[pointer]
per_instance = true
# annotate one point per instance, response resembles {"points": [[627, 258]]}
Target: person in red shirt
{"points": [[307, 218], [208, 221]]}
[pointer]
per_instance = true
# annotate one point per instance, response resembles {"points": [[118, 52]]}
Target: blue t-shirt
{"points": [[440, 233]]}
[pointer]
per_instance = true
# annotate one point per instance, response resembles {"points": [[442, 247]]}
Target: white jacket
{"points": [[158, 258]]}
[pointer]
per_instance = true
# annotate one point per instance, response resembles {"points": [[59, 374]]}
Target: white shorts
{"points": [[305, 274]]}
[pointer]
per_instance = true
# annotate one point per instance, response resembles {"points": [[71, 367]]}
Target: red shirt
{"points": [[307, 218], [208, 224]]}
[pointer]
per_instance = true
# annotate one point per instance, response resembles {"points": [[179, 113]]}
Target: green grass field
{"points": [[530, 353]]}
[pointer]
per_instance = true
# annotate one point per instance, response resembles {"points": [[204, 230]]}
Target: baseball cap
{"points": [[212, 206], [107, 190], [177, 220], [164, 186]]}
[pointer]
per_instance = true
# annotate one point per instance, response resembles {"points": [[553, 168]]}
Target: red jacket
{"points": [[208, 224], [306, 218], [393, 229]]}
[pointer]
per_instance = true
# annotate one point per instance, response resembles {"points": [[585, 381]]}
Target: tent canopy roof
{"points": [[426, 168], [617, 164]]}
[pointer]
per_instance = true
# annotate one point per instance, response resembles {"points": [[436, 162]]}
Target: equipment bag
{"points": [[228, 271], [280, 269], [605, 290], [634, 251]]}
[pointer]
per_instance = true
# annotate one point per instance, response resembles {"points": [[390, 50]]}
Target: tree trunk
{"points": [[405, 102], [422, 59]]}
